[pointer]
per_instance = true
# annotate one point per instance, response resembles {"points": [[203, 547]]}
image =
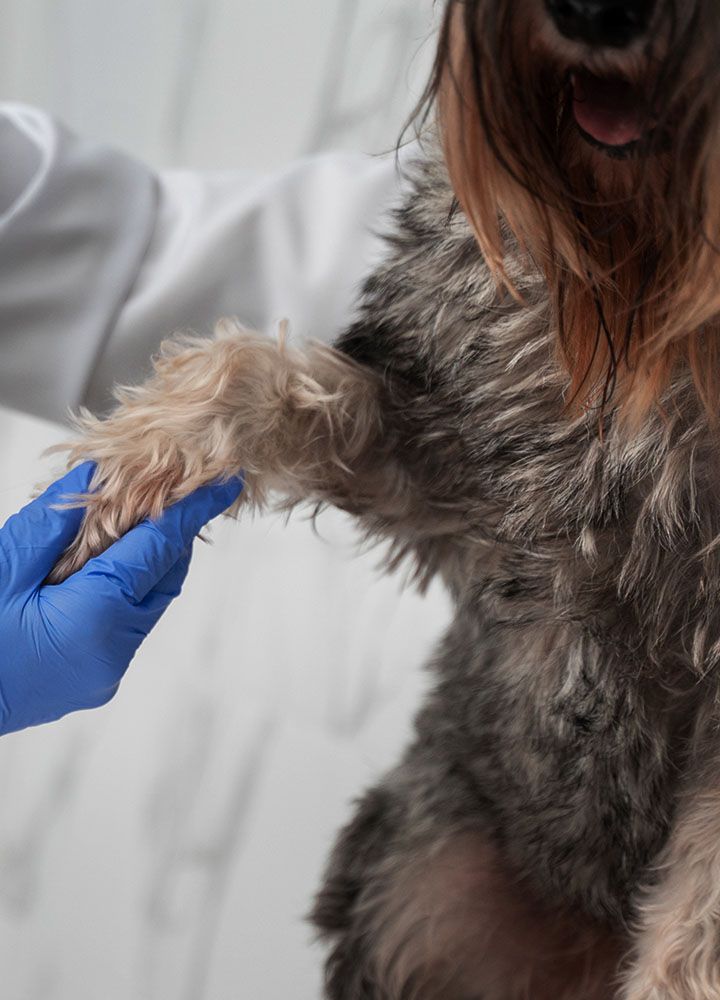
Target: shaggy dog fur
{"points": [[526, 406]]}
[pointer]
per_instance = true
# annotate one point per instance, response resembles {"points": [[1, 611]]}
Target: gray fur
{"points": [[585, 570]]}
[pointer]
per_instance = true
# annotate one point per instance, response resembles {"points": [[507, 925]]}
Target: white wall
{"points": [[220, 83]]}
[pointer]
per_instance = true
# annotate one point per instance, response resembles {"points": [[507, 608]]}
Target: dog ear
{"points": [[628, 248]]}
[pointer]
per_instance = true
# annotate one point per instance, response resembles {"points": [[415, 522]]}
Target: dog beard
{"points": [[599, 168]]}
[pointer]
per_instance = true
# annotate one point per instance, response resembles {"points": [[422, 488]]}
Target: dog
{"points": [[525, 406]]}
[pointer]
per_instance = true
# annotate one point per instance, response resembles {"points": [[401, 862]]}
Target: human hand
{"points": [[66, 647]]}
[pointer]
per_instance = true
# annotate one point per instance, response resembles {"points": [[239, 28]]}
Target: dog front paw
{"points": [[299, 423], [167, 437], [149, 473]]}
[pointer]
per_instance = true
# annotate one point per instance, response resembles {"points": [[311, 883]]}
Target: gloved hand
{"points": [[67, 647]]}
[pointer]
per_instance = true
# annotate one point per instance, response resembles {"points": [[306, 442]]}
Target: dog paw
{"points": [[165, 439], [126, 489], [290, 422]]}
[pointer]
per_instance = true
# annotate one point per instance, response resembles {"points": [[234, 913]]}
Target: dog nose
{"points": [[611, 23]]}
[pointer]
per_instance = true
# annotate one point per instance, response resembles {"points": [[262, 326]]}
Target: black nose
{"points": [[613, 23]]}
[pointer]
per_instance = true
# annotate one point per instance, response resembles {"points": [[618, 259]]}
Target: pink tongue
{"points": [[609, 110]]}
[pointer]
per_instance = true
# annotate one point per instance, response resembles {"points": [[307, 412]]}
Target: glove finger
{"points": [[156, 603], [172, 583], [136, 621], [138, 561], [34, 539]]}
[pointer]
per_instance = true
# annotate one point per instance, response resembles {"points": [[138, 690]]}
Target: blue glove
{"points": [[67, 647]]}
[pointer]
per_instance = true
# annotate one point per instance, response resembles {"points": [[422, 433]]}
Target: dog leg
{"points": [[677, 949], [308, 424], [418, 916]]}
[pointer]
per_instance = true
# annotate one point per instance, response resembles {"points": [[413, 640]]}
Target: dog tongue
{"points": [[608, 109]]}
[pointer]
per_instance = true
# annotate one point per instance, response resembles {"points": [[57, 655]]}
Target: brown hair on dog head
{"points": [[630, 248]]}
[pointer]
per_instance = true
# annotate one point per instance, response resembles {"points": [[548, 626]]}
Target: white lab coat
{"points": [[101, 258]]}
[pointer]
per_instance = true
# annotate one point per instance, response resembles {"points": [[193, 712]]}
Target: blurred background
{"points": [[168, 845]]}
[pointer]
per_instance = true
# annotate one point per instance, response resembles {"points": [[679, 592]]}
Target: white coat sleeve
{"points": [[101, 258]]}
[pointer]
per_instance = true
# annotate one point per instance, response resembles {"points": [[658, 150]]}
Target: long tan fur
{"points": [[303, 423]]}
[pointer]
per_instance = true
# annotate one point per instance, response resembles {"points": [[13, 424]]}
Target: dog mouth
{"points": [[609, 111]]}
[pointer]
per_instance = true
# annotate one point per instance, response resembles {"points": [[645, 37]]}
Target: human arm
{"points": [[101, 258]]}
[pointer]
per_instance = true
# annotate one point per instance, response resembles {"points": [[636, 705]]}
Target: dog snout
{"points": [[601, 23]]}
